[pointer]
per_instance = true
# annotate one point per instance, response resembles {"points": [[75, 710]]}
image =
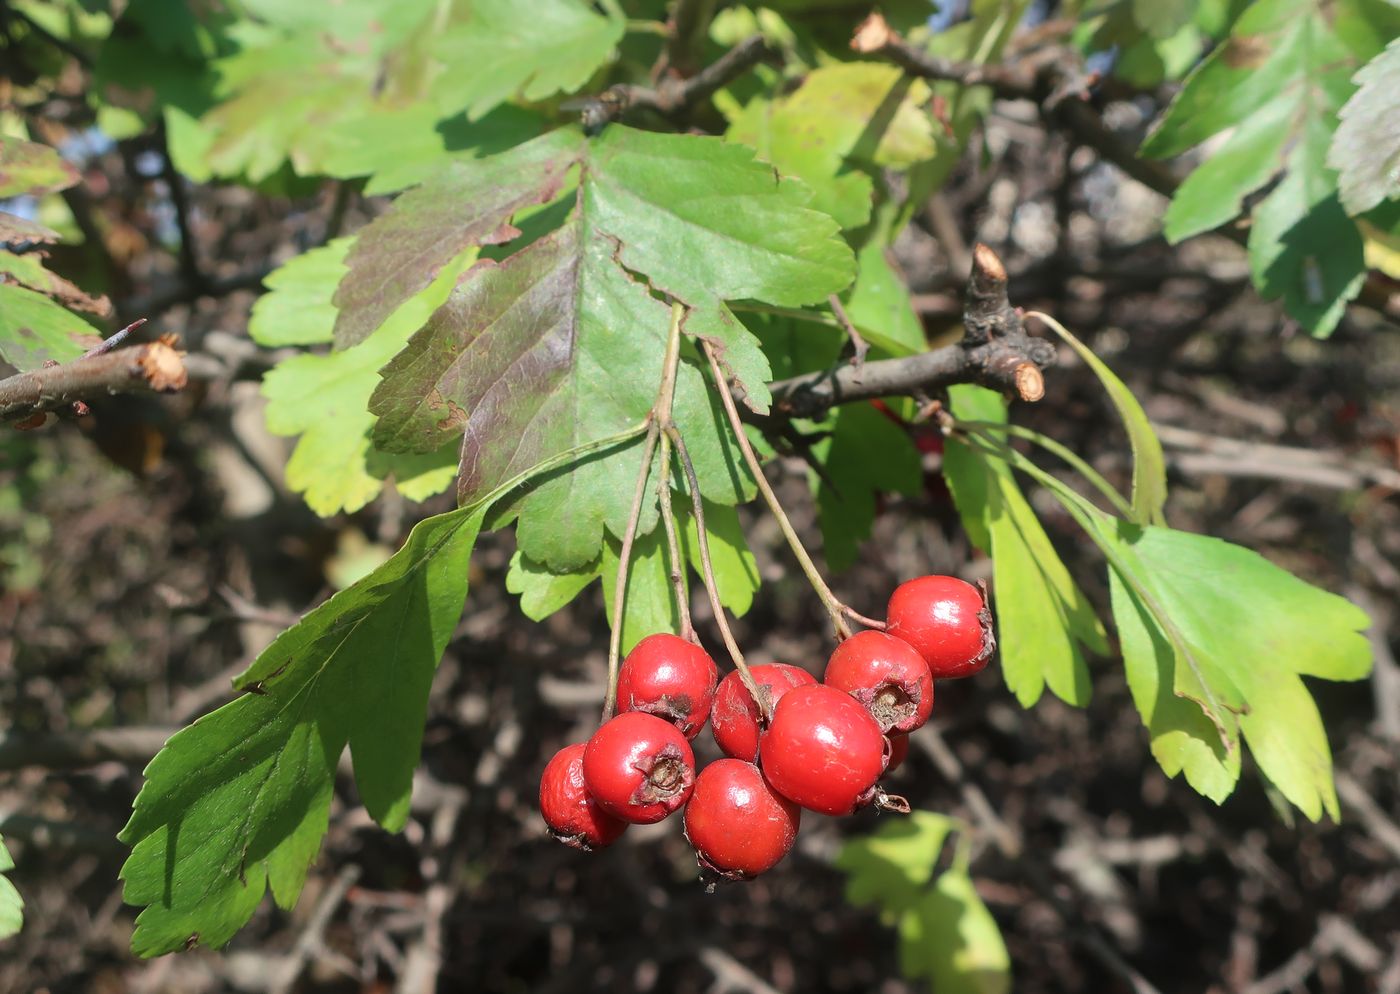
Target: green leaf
{"points": [[1162, 18], [1043, 618], [860, 114], [1302, 246], [736, 570], [495, 49], [324, 398], [469, 203], [297, 308], [649, 605], [1366, 147], [1280, 79], [891, 867], [878, 303], [1214, 192], [1262, 629], [402, 147], [238, 801], [864, 455], [542, 592], [11, 904], [30, 272], [34, 330], [1269, 49], [1149, 465], [31, 169], [523, 359], [951, 938]]}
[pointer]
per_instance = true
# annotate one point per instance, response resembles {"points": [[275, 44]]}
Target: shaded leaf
{"points": [[841, 115], [736, 570], [543, 592], [29, 271], [878, 303], [1366, 147], [864, 455], [32, 169], [238, 801], [891, 867], [469, 203], [33, 329], [649, 605], [951, 938], [11, 904]]}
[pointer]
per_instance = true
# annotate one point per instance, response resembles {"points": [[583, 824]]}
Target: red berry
{"points": [[734, 718], [671, 678], [823, 750], [899, 750], [639, 768], [737, 823], [947, 620], [570, 811], [885, 674]]}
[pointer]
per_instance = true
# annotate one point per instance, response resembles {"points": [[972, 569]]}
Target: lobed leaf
{"points": [[1365, 150], [492, 50], [1044, 620], [238, 801], [11, 904], [951, 938], [31, 169], [35, 330]]}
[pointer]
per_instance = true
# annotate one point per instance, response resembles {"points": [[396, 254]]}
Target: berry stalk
{"points": [[708, 572], [834, 608]]}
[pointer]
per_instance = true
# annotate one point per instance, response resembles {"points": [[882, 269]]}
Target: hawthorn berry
{"points": [[734, 717], [570, 811], [823, 750], [638, 767], [671, 678], [739, 825], [946, 620], [885, 674], [899, 751]]}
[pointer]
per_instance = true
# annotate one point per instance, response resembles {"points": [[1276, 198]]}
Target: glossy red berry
{"points": [[947, 620], [573, 816], [885, 674], [823, 750], [734, 718], [639, 768], [899, 751], [739, 825], [671, 678]]}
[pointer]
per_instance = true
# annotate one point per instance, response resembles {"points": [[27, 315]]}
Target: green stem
{"points": [[707, 572], [624, 559], [673, 546], [985, 428], [834, 607], [657, 419]]}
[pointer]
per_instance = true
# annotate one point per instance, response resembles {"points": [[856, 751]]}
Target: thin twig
{"points": [[707, 572], [154, 366], [828, 599], [673, 96], [996, 351], [858, 344], [687, 31], [673, 547], [111, 342]]}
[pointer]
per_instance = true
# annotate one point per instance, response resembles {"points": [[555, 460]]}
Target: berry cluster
{"points": [[802, 744]]}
